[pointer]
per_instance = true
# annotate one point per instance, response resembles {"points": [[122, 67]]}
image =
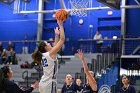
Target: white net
{"points": [[79, 7]]}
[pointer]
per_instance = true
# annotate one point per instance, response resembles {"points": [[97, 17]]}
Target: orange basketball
{"points": [[61, 14]]}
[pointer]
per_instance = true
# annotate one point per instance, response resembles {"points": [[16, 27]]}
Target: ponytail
{"points": [[37, 56]]}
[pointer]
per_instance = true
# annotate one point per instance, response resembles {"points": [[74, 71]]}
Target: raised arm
{"points": [[56, 30], [89, 77], [61, 41]]}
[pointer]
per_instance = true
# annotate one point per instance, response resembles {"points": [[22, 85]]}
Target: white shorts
{"points": [[47, 86]]}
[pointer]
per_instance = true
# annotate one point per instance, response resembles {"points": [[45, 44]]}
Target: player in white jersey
{"points": [[47, 56]]}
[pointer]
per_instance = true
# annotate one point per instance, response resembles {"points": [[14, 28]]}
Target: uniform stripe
{"points": [[52, 88]]}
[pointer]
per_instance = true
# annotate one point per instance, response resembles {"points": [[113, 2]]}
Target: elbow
{"points": [[94, 88]]}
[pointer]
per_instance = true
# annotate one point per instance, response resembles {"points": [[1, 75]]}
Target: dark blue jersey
{"points": [[11, 87], [130, 89], [73, 88], [88, 89]]}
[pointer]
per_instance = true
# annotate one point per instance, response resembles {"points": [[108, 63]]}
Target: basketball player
{"points": [[47, 56], [8, 86], [79, 82], [70, 86], [127, 88], [91, 86]]}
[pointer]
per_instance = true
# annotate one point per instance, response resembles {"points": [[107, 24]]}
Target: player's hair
{"points": [[92, 73], [3, 74], [124, 75], [37, 55]]}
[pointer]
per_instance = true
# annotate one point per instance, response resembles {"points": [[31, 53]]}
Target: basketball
{"points": [[61, 14]]}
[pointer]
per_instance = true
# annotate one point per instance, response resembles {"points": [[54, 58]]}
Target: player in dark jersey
{"points": [[8, 86], [127, 88], [69, 86], [87, 88], [90, 86]]}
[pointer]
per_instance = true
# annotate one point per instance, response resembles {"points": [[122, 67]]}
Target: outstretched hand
{"points": [[35, 85], [80, 54], [56, 30], [22, 88]]}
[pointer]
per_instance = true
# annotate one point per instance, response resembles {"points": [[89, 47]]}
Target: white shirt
{"points": [[97, 37], [49, 67]]}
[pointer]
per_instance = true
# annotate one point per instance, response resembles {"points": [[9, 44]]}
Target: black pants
{"points": [[99, 45]]}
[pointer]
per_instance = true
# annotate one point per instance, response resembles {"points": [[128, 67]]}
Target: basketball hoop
{"points": [[79, 7]]}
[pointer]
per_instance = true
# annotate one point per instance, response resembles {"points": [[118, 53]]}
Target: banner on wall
{"points": [[104, 89]]}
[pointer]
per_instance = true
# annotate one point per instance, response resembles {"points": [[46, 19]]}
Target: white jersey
{"points": [[48, 80]]}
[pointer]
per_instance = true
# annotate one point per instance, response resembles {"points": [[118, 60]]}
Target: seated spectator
{"points": [[9, 56], [10, 45], [69, 86], [5, 55], [8, 86], [12, 57], [25, 65], [127, 88]]}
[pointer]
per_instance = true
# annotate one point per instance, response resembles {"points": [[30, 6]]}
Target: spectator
{"points": [[62, 50], [25, 65], [9, 56], [25, 44], [73, 50], [127, 88], [8, 86], [69, 86], [5, 55], [10, 45], [12, 57], [99, 41]]}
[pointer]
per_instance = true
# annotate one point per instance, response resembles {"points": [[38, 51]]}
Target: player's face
{"points": [[78, 81], [97, 33], [125, 80], [48, 46], [68, 78]]}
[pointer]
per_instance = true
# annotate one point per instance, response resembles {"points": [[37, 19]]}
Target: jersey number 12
{"points": [[44, 62]]}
